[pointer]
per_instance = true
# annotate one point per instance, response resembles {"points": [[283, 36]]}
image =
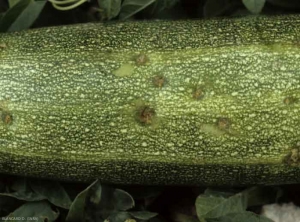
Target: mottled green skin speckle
{"points": [[75, 119]]}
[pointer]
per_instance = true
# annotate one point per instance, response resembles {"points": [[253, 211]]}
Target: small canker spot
{"points": [[145, 114], [159, 81], [141, 59], [293, 157], [223, 123], [3, 46], [198, 93], [289, 100], [7, 118]]}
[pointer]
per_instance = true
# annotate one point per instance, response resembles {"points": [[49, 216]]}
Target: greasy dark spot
{"points": [[223, 123], [145, 115], [141, 59], [7, 118], [159, 81], [198, 93], [289, 100]]}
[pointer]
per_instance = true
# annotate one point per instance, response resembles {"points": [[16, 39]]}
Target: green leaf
{"points": [[254, 6], [77, 208], [220, 193], [166, 4], [118, 217], [28, 16], [109, 8], [143, 215], [22, 191], [53, 191], [213, 206], [21, 16], [108, 202], [260, 195], [241, 217], [12, 2], [214, 8], [161, 5], [98, 201], [122, 200], [131, 7], [41, 210], [11, 15]]}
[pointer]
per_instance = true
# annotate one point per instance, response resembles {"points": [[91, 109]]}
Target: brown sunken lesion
{"points": [[145, 115], [3, 46], [293, 157], [223, 123], [290, 100], [141, 59], [159, 81], [198, 93], [6, 117]]}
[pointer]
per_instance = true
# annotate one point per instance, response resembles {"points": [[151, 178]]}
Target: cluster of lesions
{"points": [[146, 114]]}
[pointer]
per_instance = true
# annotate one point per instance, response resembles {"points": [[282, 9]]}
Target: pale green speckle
{"points": [[124, 70]]}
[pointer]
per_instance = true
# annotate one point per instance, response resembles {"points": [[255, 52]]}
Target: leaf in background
{"points": [[12, 2], [11, 15], [143, 215], [111, 202], [21, 16], [258, 196], [8, 204], [122, 200], [241, 217], [143, 192], [77, 208], [28, 16], [22, 191], [41, 209], [131, 7], [160, 5], [286, 3], [254, 6], [214, 8], [118, 217], [213, 206], [109, 8], [53, 191], [220, 193]]}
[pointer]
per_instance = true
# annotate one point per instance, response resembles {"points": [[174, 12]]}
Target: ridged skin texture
{"points": [[210, 102]]}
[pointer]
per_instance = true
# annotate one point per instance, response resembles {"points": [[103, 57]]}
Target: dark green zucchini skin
{"points": [[211, 102]]}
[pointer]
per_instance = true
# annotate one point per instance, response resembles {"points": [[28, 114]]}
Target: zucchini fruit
{"points": [[210, 102]]}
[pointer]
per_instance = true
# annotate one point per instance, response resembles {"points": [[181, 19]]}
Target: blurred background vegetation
{"points": [[22, 14]]}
